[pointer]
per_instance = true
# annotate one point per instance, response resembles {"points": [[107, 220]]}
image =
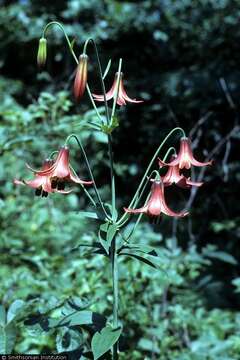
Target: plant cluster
{"points": [[57, 172]]}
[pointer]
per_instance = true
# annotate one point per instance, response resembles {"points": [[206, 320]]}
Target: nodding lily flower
{"points": [[185, 157], [81, 77], [156, 203], [42, 183], [173, 176], [122, 95], [60, 171]]}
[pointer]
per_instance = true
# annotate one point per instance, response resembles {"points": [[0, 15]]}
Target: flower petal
{"points": [[136, 211], [172, 163], [169, 212], [123, 93], [109, 95], [199, 163], [193, 183], [77, 180]]}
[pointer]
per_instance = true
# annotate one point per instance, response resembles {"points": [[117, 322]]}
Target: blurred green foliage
{"points": [[181, 57]]}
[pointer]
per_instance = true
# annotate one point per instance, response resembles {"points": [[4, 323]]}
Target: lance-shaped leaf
{"points": [[148, 250], [112, 229], [107, 69], [103, 242], [88, 214]]}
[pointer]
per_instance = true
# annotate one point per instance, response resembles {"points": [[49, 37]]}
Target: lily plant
{"points": [[149, 198]]}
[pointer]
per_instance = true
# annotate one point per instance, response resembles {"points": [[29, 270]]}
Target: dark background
{"points": [[182, 59]]}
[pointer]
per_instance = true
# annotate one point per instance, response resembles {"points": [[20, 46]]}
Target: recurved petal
{"points": [[169, 212], [18, 182], [77, 180], [109, 95], [35, 183], [193, 183], [182, 183], [123, 93], [63, 191], [128, 99], [136, 211], [172, 163], [199, 163], [42, 172]]}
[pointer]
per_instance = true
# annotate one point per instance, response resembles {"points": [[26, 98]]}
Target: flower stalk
{"points": [[114, 265], [90, 171]]}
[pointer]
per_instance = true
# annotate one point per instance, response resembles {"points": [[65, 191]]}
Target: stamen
{"points": [[61, 185], [54, 184], [38, 191], [44, 194]]}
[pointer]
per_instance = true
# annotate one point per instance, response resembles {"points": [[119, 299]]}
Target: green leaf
{"points": [[104, 227], [8, 335], [107, 69], [88, 214], [93, 245], [103, 242], [148, 345], [148, 250], [113, 210], [15, 309], [104, 340], [141, 258], [112, 229], [2, 315], [73, 43], [108, 129], [223, 256], [82, 318], [68, 339]]}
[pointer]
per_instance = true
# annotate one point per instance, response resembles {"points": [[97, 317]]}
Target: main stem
{"points": [[114, 261]]}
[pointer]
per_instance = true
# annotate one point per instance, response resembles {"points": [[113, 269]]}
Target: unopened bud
{"points": [[81, 77], [42, 52]]}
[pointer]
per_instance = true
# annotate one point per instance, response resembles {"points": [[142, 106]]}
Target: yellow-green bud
{"points": [[42, 52]]}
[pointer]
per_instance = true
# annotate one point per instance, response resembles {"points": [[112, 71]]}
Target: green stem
{"points": [[172, 148], [148, 168], [90, 172], [93, 104], [142, 192], [117, 92], [76, 60], [113, 189], [100, 74], [114, 263], [84, 189], [110, 151], [65, 34]]}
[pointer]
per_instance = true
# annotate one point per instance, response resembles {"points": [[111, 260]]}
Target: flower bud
{"points": [[42, 52], [81, 77]]}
